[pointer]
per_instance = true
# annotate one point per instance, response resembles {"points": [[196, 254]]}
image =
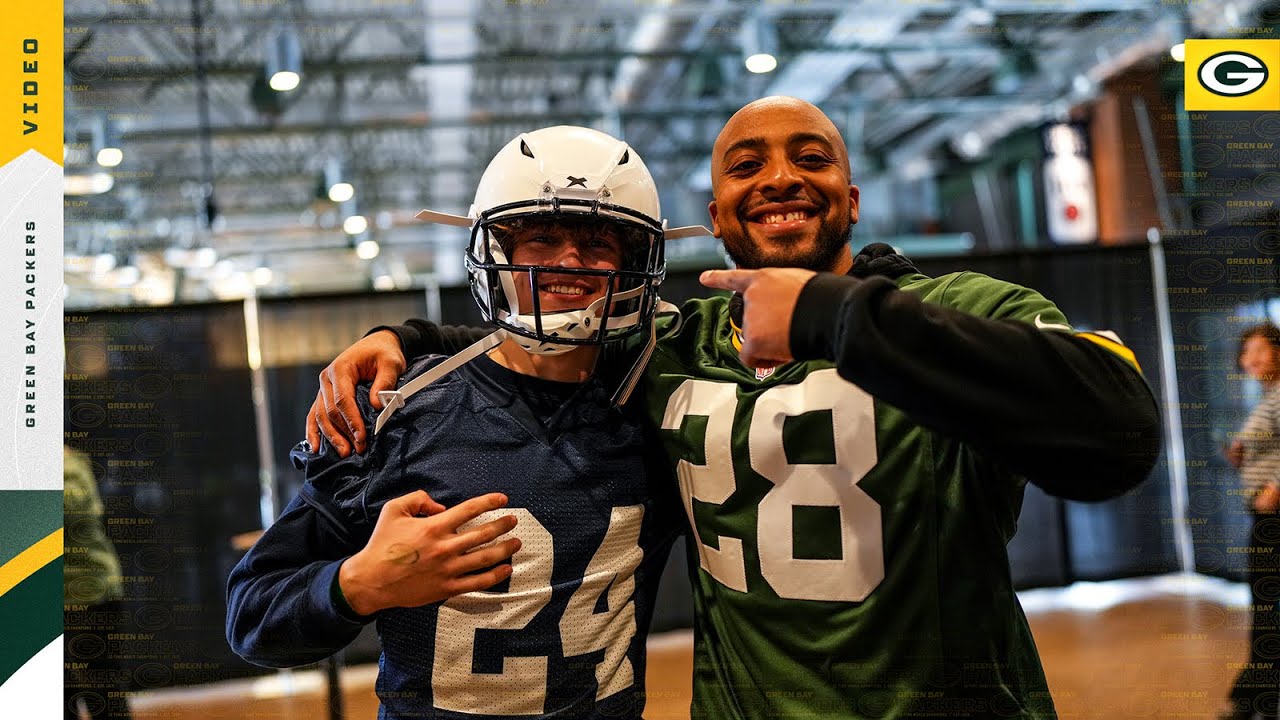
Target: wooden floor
{"points": [[1154, 648]]}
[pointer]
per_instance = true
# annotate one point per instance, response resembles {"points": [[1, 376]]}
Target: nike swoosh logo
{"points": [[1051, 326]]}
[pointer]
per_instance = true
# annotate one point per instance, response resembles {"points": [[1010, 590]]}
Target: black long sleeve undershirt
{"points": [[423, 337], [1071, 416], [1068, 414]]}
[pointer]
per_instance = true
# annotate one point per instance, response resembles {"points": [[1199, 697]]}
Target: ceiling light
{"points": [[355, 224], [978, 16], [759, 45], [367, 249], [1081, 84], [283, 60], [970, 145], [761, 63], [106, 142], [335, 184], [384, 282], [110, 157], [284, 81], [92, 184], [341, 192], [1179, 52], [262, 275]]}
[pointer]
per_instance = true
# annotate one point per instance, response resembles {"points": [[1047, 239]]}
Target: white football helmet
{"points": [[570, 175]]}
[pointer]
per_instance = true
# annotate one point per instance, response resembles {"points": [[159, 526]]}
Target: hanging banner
{"points": [[1070, 200]]}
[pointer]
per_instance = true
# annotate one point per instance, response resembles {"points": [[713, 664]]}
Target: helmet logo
{"points": [[579, 181]]}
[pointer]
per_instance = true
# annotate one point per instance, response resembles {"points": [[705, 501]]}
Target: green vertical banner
{"points": [[31, 390]]}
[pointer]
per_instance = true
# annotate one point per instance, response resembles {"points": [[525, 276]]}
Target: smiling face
{"points": [[783, 197], [588, 244], [1260, 359]]}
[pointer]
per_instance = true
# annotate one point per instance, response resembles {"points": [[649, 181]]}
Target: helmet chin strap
{"points": [[571, 323], [394, 399]]}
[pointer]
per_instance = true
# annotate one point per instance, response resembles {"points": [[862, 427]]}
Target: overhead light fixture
{"points": [[970, 145], [110, 157], [336, 187], [355, 225], [761, 63], [367, 249], [106, 143], [759, 45], [977, 16], [262, 275], [90, 184], [1179, 52], [341, 192], [283, 60], [384, 282], [1081, 85]]}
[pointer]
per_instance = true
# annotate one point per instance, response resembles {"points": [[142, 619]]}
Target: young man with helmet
{"points": [[852, 440], [566, 256]]}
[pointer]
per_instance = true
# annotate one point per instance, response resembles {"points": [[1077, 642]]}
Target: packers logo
{"points": [[1232, 75]]}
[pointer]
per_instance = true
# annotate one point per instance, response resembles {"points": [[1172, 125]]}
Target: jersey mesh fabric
{"points": [[869, 552], [567, 462]]}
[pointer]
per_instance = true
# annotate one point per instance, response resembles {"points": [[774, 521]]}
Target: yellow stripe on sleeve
{"points": [[1114, 347]]}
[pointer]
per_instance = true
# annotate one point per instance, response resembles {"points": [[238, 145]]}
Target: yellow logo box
{"points": [[1232, 75]]}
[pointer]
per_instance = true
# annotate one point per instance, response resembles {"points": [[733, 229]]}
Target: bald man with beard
{"points": [[851, 440]]}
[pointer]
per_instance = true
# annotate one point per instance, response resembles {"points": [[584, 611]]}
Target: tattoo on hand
{"points": [[402, 554]]}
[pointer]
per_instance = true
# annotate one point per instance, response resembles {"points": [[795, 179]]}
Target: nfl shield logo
{"points": [[762, 373]]}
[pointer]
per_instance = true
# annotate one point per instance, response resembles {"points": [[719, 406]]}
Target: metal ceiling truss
{"points": [[414, 115]]}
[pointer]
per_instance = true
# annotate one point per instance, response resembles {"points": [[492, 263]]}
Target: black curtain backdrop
{"points": [[1098, 288], [160, 402]]}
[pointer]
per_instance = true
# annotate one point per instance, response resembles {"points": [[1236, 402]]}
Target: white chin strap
{"points": [[575, 324], [394, 399]]}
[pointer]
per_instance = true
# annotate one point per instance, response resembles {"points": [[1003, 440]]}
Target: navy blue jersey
{"points": [[564, 636]]}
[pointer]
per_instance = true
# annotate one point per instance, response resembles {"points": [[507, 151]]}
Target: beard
{"points": [[830, 241]]}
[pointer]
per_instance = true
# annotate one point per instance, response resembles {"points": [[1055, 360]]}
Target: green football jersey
{"points": [[846, 562]]}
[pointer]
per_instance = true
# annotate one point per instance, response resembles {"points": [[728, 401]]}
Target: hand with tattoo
{"points": [[417, 556]]}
